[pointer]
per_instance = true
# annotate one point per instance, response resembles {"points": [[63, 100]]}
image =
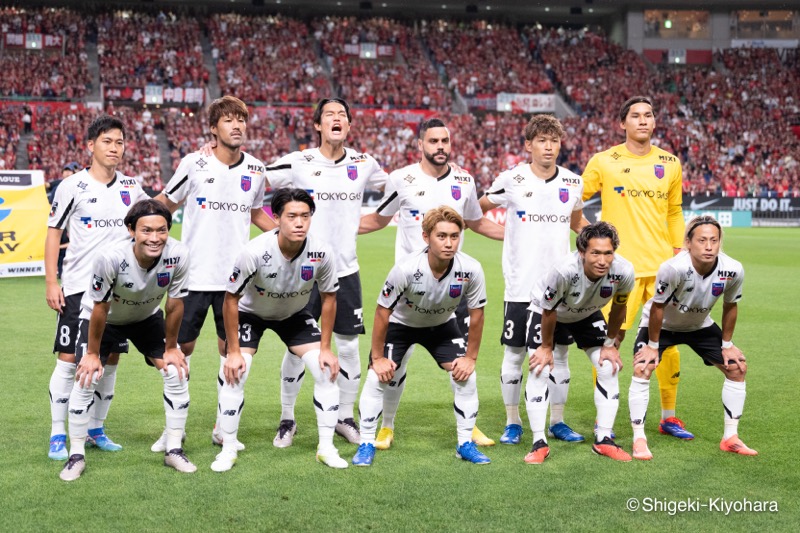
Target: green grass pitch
{"points": [[418, 485]]}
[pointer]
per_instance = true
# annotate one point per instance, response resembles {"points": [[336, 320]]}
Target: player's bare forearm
{"points": [[53, 294], [261, 220], [730, 312], [476, 320], [379, 327], [549, 320], [97, 325], [656, 319], [172, 322], [486, 204], [327, 317], [372, 222], [172, 206], [487, 228], [577, 221], [616, 317], [230, 316]]}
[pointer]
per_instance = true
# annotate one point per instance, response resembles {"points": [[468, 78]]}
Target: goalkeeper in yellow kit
{"points": [[641, 193]]}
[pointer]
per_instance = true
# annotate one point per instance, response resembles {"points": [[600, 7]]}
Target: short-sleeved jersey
{"points": [[134, 292], [574, 297], [641, 196], [538, 215], [418, 299], [274, 287], [688, 296], [412, 193], [337, 188], [94, 213], [218, 200]]}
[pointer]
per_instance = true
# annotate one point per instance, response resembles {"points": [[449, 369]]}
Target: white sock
{"points": [[733, 396], [61, 382], [465, 406], [349, 373], [511, 381], [220, 381], [231, 403], [292, 372], [80, 401], [559, 383], [537, 397], [176, 406], [667, 413], [326, 399], [369, 406], [638, 398], [393, 390], [103, 395], [606, 394]]}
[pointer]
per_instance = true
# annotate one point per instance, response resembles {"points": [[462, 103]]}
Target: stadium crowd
{"points": [[730, 122]]}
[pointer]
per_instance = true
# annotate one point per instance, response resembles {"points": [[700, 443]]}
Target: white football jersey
{"points": [[538, 214], [688, 296], [420, 300], [574, 297], [275, 288], [218, 199], [412, 193], [94, 214], [135, 293], [337, 188]]}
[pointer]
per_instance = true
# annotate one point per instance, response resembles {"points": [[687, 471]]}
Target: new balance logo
{"points": [[333, 408], [537, 399], [183, 406], [229, 412], [62, 400]]}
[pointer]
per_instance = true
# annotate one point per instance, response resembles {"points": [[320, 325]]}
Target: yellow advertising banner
{"points": [[23, 223]]}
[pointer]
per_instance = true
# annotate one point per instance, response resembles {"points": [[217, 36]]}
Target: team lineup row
{"points": [[250, 286]]}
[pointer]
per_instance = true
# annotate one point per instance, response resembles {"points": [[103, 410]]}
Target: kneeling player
{"points": [[687, 287], [416, 306], [567, 301], [128, 284], [269, 288]]}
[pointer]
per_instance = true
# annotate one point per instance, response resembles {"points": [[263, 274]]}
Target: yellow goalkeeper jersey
{"points": [[641, 196]]}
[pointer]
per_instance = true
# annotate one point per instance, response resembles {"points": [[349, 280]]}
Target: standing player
{"points": [[543, 202], [91, 204], [641, 193], [335, 177], [416, 306], [412, 191], [566, 303], [687, 288], [221, 195], [270, 286], [128, 284]]}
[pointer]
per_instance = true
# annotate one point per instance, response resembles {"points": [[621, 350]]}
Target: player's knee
{"points": [[347, 346], [734, 373], [468, 386], [561, 355]]}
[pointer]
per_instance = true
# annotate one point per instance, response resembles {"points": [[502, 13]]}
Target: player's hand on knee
{"points": [[733, 358], [539, 358], [610, 354], [234, 367], [326, 358], [462, 368], [384, 368], [175, 357], [89, 369]]}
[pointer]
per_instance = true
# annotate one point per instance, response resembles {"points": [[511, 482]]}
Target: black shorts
{"points": [[515, 322], [444, 342], [147, 335], [349, 306], [586, 333], [195, 309], [462, 317], [300, 328], [706, 342], [67, 327]]}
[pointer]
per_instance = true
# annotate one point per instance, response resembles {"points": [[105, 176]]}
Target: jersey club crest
{"points": [[126, 197], [659, 171], [455, 290], [563, 195], [605, 292], [717, 288], [163, 279], [306, 272], [455, 190], [246, 183], [352, 172]]}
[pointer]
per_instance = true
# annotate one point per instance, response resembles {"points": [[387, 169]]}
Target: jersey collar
{"points": [[239, 162], [443, 176]]}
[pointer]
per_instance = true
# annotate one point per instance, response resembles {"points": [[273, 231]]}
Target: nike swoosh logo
{"points": [[694, 206]]}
